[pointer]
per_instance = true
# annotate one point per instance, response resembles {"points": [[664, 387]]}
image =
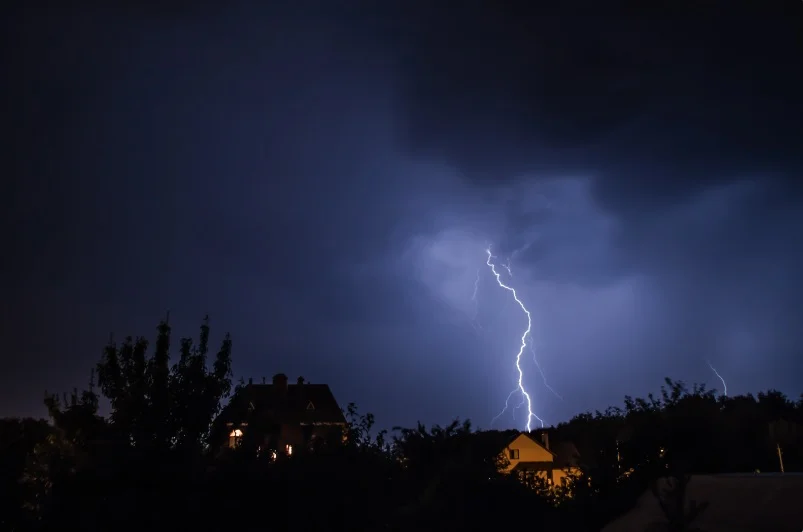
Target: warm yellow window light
{"points": [[235, 437]]}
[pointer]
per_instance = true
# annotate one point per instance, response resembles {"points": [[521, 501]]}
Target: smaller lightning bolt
{"points": [[522, 249], [476, 286], [513, 410], [474, 321], [541, 371], [724, 384], [507, 404], [507, 267]]}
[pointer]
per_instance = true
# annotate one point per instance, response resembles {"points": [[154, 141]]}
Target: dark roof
{"points": [[566, 454], [292, 403]]}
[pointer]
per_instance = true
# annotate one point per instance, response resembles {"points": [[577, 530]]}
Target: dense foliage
{"points": [[149, 464]]}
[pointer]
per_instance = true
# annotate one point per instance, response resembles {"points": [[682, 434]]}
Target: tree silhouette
{"points": [[155, 409], [156, 406], [359, 432], [147, 465], [66, 449], [18, 438], [671, 495]]}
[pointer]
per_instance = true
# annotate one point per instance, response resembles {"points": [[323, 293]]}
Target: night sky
{"points": [[324, 182]]}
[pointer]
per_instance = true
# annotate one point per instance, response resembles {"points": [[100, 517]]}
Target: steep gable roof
{"points": [[532, 438], [287, 404]]}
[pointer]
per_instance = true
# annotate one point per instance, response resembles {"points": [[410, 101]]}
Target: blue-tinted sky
{"points": [[324, 180]]}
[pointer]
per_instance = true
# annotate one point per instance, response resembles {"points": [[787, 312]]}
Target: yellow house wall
{"points": [[561, 476]]}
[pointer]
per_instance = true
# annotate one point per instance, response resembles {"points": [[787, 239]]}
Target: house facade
{"points": [[280, 418], [530, 455]]}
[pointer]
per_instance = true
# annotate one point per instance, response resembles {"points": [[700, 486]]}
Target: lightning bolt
{"points": [[520, 389], [507, 267], [724, 384], [513, 411], [474, 321], [522, 249], [541, 371], [476, 286], [507, 405]]}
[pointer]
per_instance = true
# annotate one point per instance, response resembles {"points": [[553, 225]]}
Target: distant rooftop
{"points": [[290, 403]]}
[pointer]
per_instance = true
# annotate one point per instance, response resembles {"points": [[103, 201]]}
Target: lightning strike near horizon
{"points": [[724, 384], [524, 336]]}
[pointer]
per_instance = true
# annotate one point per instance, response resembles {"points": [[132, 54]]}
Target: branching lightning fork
{"points": [[507, 405], [541, 371], [525, 395]]}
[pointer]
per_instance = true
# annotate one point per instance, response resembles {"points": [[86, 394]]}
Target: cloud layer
{"points": [[326, 187]]}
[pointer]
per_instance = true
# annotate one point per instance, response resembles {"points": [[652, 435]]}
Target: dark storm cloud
{"points": [[169, 160], [658, 103], [654, 105], [681, 126]]}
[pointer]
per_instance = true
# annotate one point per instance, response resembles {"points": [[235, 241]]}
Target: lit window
{"points": [[289, 449], [514, 454], [235, 437]]}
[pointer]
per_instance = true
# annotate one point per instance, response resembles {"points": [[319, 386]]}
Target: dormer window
{"points": [[310, 406]]}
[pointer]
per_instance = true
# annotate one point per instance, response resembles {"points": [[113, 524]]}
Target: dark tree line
{"points": [[150, 463]]}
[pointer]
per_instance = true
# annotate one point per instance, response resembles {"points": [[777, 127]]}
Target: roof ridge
{"points": [[539, 443]]}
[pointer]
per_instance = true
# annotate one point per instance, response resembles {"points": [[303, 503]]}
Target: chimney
{"points": [[263, 380], [280, 382], [545, 439], [250, 381], [301, 381]]}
